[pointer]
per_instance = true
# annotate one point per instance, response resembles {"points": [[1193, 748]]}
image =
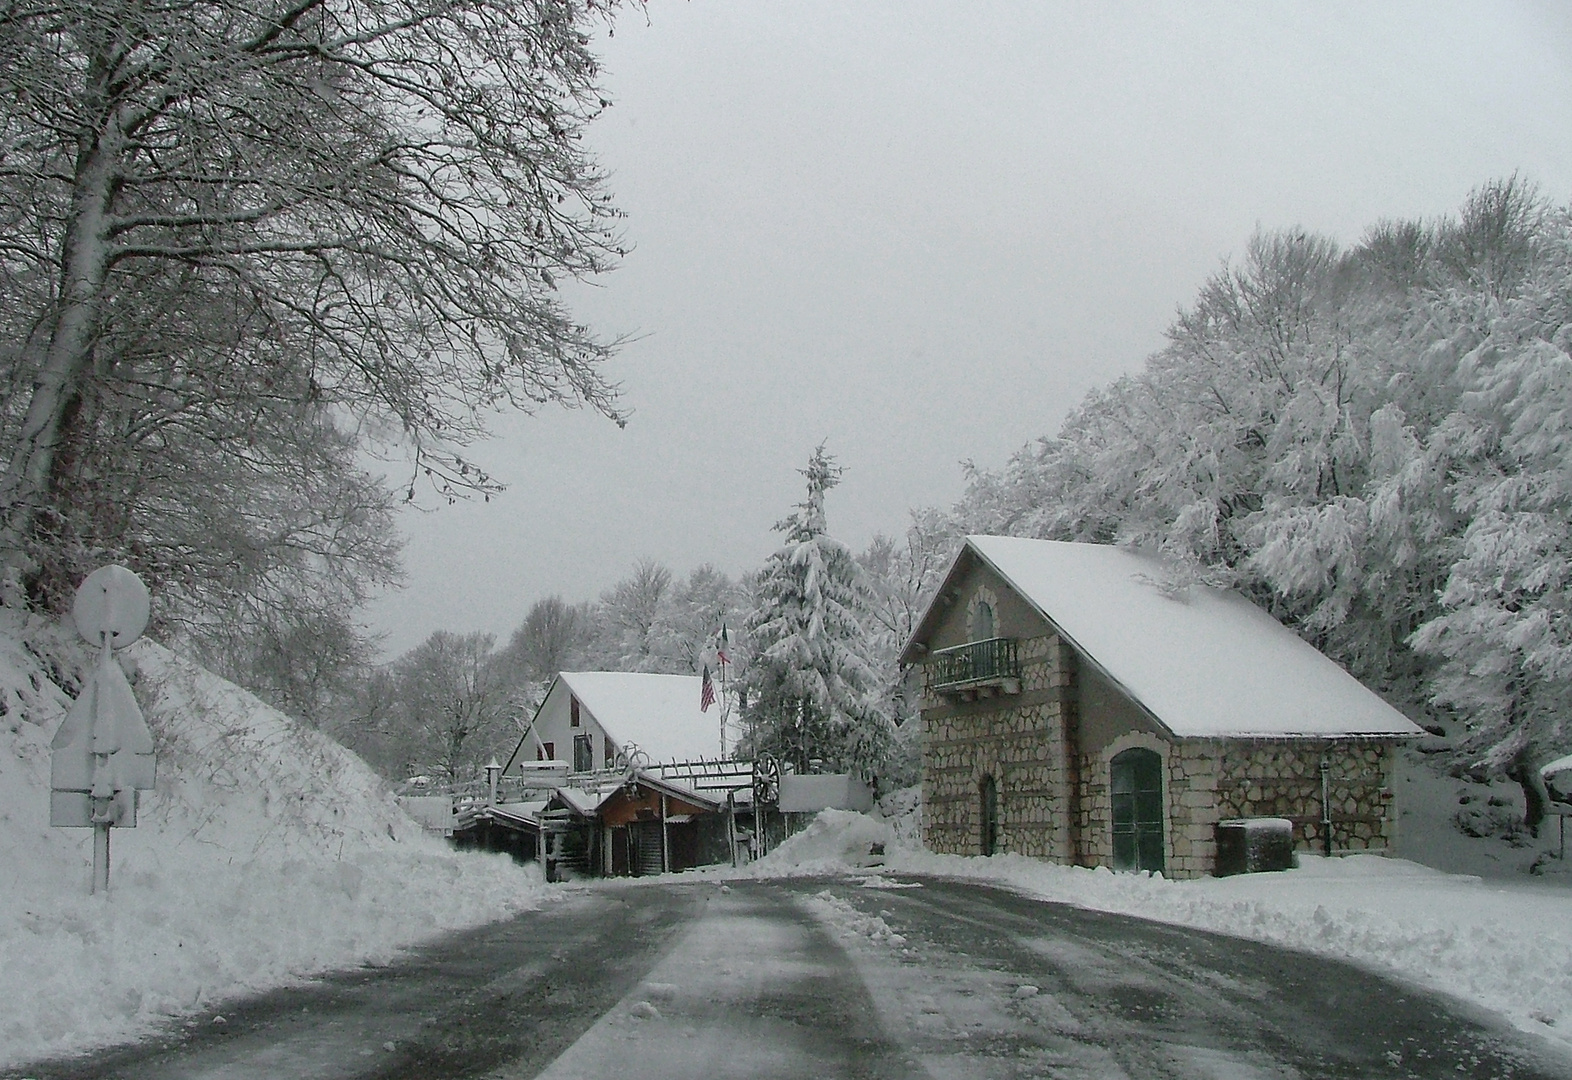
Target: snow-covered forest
{"points": [[265, 274], [212, 333], [1373, 442]]}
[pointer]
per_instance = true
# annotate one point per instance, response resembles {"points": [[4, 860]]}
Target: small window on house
{"points": [[573, 711], [989, 796], [583, 753], [984, 625], [551, 752], [611, 751]]}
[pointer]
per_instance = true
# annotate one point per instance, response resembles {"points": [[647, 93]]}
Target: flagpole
{"points": [[725, 707], [723, 661]]}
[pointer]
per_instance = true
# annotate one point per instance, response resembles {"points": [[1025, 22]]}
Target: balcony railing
{"points": [[994, 662]]}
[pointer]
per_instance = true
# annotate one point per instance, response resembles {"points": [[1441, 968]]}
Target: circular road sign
{"points": [[112, 600]]}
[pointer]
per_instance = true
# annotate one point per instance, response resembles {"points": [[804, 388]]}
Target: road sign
{"points": [[112, 600], [103, 751]]}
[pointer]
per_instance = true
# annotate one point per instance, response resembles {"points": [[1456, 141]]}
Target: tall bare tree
{"points": [[381, 192], [450, 707]]}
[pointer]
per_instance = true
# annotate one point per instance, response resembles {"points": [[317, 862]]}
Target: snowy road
{"points": [[853, 977]]}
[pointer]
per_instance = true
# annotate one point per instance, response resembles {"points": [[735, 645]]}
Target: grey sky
{"points": [[922, 231]]}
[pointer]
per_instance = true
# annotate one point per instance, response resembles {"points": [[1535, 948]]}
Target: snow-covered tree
{"points": [[1372, 443], [811, 692], [626, 620], [689, 622], [352, 215], [445, 708], [902, 574], [1505, 634]]}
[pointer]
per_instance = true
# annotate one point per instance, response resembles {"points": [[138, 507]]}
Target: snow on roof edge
{"points": [[1312, 657], [1080, 650]]}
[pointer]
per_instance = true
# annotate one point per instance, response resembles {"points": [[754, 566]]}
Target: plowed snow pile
{"points": [[1504, 945], [267, 853]]}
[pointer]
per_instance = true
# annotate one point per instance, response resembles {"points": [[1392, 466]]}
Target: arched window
{"points": [[989, 797], [984, 626], [1139, 820]]}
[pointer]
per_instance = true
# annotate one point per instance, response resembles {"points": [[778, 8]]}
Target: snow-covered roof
{"points": [[676, 788], [1203, 661], [658, 713], [527, 811], [585, 803]]}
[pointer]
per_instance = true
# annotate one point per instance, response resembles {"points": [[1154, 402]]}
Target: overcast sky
{"points": [[921, 231]]}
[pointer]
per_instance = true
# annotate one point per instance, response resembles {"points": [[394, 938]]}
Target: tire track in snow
{"points": [[980, 982], [753, 989]]}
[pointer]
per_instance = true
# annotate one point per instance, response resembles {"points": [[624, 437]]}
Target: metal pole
{"points": [[101, 857], [665, 838], [100, 769], [1326, 805], [731, 825]]}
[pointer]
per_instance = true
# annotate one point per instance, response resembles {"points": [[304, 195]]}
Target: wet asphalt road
{"points": [[834, 978]]}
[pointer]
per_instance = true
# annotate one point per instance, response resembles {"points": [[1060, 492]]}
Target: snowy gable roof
{"points": [[1205, 662], [657, 713]]}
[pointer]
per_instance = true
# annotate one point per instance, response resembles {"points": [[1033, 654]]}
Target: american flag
{"points": [[706, 691]]}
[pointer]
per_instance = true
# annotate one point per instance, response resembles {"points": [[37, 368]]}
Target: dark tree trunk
{"points": [[1524, 771]]}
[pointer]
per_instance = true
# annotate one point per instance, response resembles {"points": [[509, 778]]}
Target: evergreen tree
{"points": [[811, 693]]}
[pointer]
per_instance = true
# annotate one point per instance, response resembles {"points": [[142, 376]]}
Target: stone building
{"points": [[1084, 706]]}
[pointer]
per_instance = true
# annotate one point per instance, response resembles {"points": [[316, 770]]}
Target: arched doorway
{"points": [[1138, 813], [989, 794]]}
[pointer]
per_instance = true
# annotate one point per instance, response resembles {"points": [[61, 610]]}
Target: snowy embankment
{"points": [[1505, 946], [267, 853]]}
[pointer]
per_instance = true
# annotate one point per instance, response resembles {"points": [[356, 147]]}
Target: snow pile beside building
{"points": [[832, 842], [1505, 946], [902, 809], [268, 852]]}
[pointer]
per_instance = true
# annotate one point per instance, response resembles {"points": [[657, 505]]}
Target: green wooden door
{"points": [[1137, 788]]}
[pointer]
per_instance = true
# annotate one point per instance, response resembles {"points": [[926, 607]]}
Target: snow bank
{"points": [[834, 841], [267, 853], [1506, 946]]}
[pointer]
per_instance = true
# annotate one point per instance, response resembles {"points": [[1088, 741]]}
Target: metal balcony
{"points": [[976, 669]]}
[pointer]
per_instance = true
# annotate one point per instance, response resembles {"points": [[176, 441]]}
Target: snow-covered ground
{"points": [[268, 852], [1505, 944]]}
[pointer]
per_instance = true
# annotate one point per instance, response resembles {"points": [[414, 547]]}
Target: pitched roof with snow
{"points": [[1203, 661], [657, 713]]}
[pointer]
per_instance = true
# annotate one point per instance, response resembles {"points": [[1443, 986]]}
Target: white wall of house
{"points": [[555, 733]]}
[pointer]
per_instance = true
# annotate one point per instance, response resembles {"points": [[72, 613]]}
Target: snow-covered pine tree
{"points": [[811, 693]]}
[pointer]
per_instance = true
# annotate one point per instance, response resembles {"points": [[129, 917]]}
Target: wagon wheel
{"points": [[766, 779]]}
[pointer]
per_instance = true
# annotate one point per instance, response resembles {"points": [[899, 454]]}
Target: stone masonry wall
{"points": [[1018, 739], [1283, 779], [1211, 780]]}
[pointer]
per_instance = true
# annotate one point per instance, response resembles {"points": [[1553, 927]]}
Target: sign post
{"points": [[103, 751]]}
